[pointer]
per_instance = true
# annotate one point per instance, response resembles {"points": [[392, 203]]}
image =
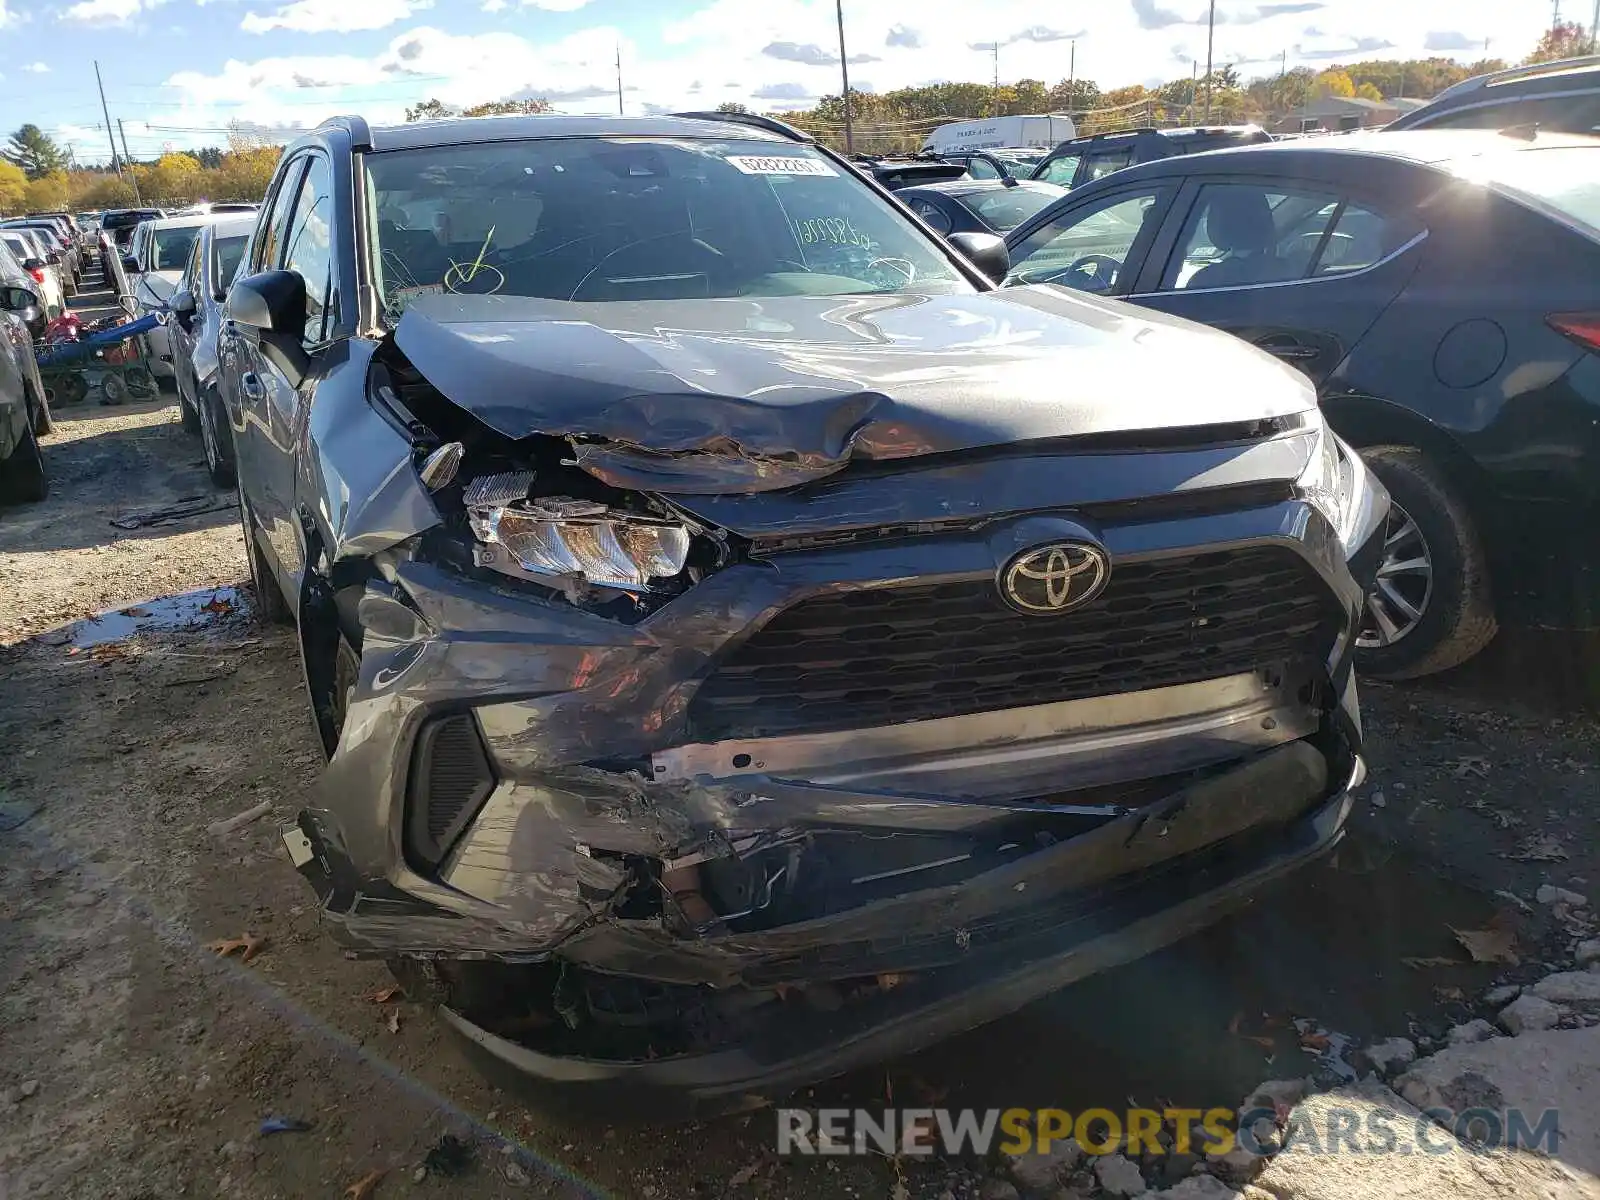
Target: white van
{"points": [[996, 132]]}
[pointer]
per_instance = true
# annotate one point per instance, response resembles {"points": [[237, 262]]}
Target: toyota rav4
{"points": [[747, 642]]}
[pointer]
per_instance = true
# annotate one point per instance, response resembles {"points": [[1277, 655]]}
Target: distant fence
{"points": [[900, 137]]}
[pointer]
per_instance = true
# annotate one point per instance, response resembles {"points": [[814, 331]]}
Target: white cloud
{"points": [[555, 5], [37, 68], [493, 6], [333, 16], [107, 12]]}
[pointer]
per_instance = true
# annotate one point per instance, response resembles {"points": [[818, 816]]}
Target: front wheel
{"points": [[1430, 607]]}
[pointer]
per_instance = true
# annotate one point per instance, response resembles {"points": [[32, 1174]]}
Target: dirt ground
{"points": [[137, 1063]]}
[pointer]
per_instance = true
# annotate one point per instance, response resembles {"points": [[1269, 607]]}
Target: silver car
{"points": [[196, 305]]}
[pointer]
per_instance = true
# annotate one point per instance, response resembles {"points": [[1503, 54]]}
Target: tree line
{"points": [[36, 175]]}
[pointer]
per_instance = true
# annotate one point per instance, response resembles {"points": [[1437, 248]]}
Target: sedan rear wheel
{"points": [[1430, 606], [22, 475], [217, 435]]}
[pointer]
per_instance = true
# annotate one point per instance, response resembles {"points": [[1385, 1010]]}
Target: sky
{"points": [[177, 72]]}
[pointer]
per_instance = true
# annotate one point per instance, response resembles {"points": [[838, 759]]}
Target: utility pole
{"points": [[136, 197], [844, 73], [1594, 32], [1194, 86], [111, 137], [1211, 33], [1072, 73], [619, 79], [995, 49]]}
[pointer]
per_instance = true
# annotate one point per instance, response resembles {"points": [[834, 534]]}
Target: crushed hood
{"points": [[744, 395]]}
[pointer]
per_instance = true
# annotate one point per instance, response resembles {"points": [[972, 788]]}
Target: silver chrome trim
{"points": [[1282, 283], [1076, 743]]}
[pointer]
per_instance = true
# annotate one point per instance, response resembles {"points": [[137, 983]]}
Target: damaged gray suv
{"points": [[747, 642]]}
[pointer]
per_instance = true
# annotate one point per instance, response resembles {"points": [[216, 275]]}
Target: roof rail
{"points": [[356, 127], [755, 121], [1089, 137], [1512, 74]]}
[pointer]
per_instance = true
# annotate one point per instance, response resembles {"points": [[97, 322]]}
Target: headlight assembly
{"points": [[1338, 485], [570, 540]]}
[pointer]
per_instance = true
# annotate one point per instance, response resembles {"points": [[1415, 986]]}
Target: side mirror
{"points": [[31, 316], [271, 309], [33, 264], [130, 263], [985, 251], [181, 304], [53, 257]]}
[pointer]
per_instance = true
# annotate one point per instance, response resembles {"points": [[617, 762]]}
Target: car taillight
{"points": [[1583, 328], [37, 273]]}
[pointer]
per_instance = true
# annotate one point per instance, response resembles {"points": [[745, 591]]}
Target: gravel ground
{"points": [[156, 1059]]}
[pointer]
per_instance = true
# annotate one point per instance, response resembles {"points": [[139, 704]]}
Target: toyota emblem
{"points": [[1056, 578]]}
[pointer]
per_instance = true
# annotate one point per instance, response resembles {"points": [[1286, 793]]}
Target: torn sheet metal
{"points": [[751, 395]]}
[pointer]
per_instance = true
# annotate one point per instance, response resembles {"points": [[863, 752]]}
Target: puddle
{"points": [[165, 614], [1201, 1023]]}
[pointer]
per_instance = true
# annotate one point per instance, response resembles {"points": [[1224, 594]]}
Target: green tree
{"points": [[430, 110], [33, 150], [506, 108], [1074, 95], [731, 106], [13, 187], [1027, 96], [1566, 40], [209, 157]]}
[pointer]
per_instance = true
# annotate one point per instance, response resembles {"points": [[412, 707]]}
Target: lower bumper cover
{"points": [[793, 1045]]}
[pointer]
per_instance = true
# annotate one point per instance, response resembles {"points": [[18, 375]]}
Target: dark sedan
{"points": [[979, 205], [1439, 289]]}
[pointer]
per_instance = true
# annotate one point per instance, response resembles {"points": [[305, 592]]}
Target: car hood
{"points": [[742, 395]]}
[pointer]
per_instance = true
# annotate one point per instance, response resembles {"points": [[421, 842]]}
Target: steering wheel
{"points": [[1090, 267], [703, 247]]}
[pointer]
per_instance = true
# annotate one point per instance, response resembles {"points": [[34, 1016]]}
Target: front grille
{"points": [[887, 655], [450, 779]]}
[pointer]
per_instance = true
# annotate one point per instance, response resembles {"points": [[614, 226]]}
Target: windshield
{"points": [[171, 248], [1565, 179], [1060, 170], [604, 219], [1008, 209], [229, 252]]}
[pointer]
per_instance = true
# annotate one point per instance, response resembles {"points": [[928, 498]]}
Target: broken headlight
{"points": [[1338, 485], [573, 540]]}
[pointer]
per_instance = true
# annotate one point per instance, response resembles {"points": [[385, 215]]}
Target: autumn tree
{"points": [[13, 188], [505, 108], [1335, 83], [1565, 40], [429, 110], [1368, 92], [34, 151], [1074, 95], [49, 192], [731, 106]]}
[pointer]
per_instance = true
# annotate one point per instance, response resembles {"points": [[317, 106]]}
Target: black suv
{"points": [[1088, 158], [677, 530], [1555, 97]]}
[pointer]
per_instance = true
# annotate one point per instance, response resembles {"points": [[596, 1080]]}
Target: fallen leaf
{"points": [[248, 945], [1540, 849], [1315, 1041], [217, 605], [1489, 945], [364, 1187], [385, 994], [391, 1020], [1419, 963], [889, 980], [136, 611], [108, 651], [1447, 994], [745, 1174]]}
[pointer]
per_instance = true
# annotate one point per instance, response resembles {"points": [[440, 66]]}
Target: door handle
{"points": [[1288, 350], [252, 387]]}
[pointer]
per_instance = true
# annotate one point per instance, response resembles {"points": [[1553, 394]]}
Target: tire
{"points": [[271, 607], [113, 388], [22, 475], [188, 414], [217, 437], [43, 421], [1456, 610]]}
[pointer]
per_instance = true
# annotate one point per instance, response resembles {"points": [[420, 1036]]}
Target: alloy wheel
{"points": [[1403, 585]]}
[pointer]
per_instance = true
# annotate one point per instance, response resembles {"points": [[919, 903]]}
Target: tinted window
{"points": [[1555, 114], [1062, 170], [228, 254], [930, 212], [1362, 237], [309, 246], [602, 219], [1087, 247], [171, 247], [1243, 234], [1101, 165], [980, 168], [1007, 209], [267, 254]]}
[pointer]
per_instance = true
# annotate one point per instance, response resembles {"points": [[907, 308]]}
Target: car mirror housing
{"points": [[270, 308], [181, 304], [130, 263], [33, 264], [985, 251]]}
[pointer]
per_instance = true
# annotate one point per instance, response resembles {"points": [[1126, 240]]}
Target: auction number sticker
{"points": [[757, 165]]}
